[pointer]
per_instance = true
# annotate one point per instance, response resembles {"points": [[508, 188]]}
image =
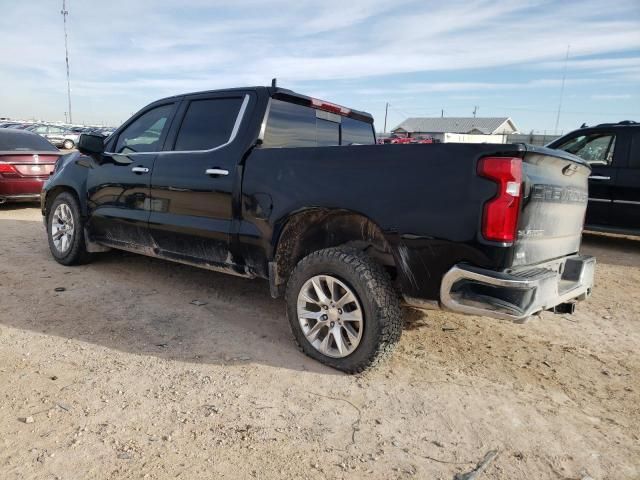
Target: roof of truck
{"points": [[278, 92]]}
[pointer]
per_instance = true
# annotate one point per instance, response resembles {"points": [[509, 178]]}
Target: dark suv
{"points": [[613, 151]]}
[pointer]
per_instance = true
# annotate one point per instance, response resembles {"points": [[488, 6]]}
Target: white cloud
{"points": [[137, 51]]}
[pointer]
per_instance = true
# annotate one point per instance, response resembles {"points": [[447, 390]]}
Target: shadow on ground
{"points": [[612, 249], [143, 305]]}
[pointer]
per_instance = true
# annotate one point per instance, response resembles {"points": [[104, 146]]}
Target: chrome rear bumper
{"points": [[518, 294]]}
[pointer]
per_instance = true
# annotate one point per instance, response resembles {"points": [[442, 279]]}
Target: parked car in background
{"points": [[26, 161], [57, 135], [9, 124], [613, 152], [104, 131], [265, 182]]}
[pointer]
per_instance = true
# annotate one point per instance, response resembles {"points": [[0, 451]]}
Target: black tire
{"points": [[382, 321], [68, 144], [77, 253]]}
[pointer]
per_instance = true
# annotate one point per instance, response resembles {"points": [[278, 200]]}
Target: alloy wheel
{"points": [[330, 316], [62, 228]]}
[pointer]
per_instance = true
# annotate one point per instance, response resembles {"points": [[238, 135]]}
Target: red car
{"points": [[26, 160]]}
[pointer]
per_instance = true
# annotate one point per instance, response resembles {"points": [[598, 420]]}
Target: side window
{"points": [[144, 133], [290, 125], [56, 130], [356, 132], [596, 148], [208, 123], [41, 129]]}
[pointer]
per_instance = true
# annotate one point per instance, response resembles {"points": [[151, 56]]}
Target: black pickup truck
{"points": [[613, 152], [264, 182]]}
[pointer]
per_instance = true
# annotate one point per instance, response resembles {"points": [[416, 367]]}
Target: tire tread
{"points": [[378, 285]]}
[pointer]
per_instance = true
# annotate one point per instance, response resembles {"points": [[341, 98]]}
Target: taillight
{"points": [[7, 170], [500, 216]]}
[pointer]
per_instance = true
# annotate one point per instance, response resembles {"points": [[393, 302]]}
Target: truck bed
{"points": [[429, 231]]}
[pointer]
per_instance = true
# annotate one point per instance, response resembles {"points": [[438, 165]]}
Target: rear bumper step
{"points": [[518, 295]]}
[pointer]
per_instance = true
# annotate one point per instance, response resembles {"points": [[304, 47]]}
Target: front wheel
{"points": [[68, 144], [343, 309], [65, 231]]}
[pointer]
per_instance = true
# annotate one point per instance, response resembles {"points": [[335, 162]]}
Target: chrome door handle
{"points": [[216, 171], [140, 170], [598, 177]]}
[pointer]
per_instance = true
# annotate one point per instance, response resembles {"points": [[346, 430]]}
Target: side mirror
{"points": [[91, 144]]}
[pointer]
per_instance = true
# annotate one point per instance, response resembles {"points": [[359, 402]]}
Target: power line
{"points": [[64, 13], [386, 111], [564, 77]]}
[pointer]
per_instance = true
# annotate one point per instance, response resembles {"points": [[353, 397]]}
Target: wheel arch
{"points": [[310, 230], [56, 190]]}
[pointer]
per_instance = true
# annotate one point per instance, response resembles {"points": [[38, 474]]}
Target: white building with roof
{"points": [[458, 129]]}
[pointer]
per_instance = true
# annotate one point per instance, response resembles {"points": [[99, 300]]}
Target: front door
{"points": [[626, 195], [118, 188], [192, 185]]}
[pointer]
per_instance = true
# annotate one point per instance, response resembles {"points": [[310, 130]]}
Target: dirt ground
{"points": [[124, 378]]}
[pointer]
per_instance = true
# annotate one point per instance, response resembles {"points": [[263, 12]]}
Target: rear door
{"points": [[193, 180], [625, 208], [118, 188], [597, 148]]}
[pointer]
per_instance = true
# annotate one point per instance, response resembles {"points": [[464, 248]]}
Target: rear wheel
{"points": [[343, 310], [65, 231]]}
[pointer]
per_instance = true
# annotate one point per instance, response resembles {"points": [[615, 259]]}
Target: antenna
{"points": [[64, 13], [274, 81], [564, 76]]}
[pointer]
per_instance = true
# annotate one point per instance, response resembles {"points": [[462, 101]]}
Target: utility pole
{"points": [[475, 110], [386, 110], [64, 13], [442, 113], [564, 76]]}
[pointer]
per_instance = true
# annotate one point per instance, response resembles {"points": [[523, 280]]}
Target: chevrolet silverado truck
{"points": [[264, 182]]}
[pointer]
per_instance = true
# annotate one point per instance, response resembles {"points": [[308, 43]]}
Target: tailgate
{"points": [[554, 203]]}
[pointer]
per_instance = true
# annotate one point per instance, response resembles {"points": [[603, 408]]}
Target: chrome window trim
{"points": [[232, 137], [263, 125], [601, 200], [627, 202]]}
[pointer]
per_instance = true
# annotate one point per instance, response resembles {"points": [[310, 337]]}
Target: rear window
{"points": [[208, 123], [292, 125], [355, 132], [18, 141]]}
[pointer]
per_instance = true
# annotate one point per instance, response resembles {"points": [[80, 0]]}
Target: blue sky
{"points": [[506, 58]]}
